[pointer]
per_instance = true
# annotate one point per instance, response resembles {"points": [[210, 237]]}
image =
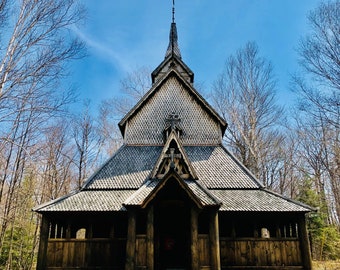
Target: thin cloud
{"points": [[104, 50]]}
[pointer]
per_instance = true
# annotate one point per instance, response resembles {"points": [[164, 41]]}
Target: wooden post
{"points": [[194, 239], [214, 241], [112, 231], [42, 259], [131, 241], [150, 238], [68, 231], [304, 243]]}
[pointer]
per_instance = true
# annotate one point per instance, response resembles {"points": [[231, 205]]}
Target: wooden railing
{"points": [[259, 252], [87, 253], [247, 253]]}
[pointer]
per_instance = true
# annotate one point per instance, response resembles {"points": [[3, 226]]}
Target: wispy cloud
{"points": [[104, 51]]}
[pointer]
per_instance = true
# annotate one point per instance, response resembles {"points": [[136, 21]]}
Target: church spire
{"points": [[173, 49]]}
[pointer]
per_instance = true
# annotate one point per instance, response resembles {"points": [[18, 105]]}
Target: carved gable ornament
{"points": [[173, 157]]}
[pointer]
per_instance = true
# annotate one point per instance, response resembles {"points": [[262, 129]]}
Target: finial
{"points": [[173, 11]]}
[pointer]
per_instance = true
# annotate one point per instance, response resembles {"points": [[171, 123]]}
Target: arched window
{"points": [[81, 233]]}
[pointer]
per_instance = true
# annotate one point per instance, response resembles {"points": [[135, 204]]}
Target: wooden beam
{"points": [[304, 243], [150, 238], [194, 238], [214, 240], [131, 240], [44, 229]]}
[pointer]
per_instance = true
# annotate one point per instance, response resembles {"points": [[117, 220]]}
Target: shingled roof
{"points": [[174, 75], [213, 176], [124, 180]]}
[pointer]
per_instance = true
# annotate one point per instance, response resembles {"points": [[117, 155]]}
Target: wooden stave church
{"points": [[173, 197]]}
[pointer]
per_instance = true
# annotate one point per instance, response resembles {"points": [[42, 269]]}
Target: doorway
{"points": [[173, 236]]}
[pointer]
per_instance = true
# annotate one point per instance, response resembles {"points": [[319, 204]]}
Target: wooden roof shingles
{"points": [[257, 200], [173, 94], [88, 201], [125, 179], [128, 168]]}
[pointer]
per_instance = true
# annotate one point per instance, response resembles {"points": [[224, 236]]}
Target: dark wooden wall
{"points": [[284, 249], [275, 253], [236, 253], [86, 254]]}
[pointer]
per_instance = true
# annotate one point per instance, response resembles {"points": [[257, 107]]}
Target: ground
{"points": [[328, 265]]}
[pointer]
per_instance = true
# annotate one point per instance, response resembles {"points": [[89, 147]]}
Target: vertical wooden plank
{"points": [[298, 255], [283, 253], [194, 238], [65, 250], [277, 253], [50, 254], [59, 254], [150, 238], [214, 241], [223, 252], [204, 250], [79, 258], [262, 253], [43, 242], [288, 247], [295, 253], [88, 250], [131, 241], [304, 243], [231, 253], [241, 247], [249, 253]]}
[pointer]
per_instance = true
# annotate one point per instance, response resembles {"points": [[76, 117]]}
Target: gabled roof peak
{"points": [[173, 157]]}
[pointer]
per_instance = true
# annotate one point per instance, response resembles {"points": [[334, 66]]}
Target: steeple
{"points": [[173, 58], [173, 49]]}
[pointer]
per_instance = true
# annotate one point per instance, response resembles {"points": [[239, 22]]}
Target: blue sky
{"points": [[122, 35]]}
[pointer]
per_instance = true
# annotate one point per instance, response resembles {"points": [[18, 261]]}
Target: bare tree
{"points": [[132, 88], [108, 128], [56, 163], [36, 42], [244, 94], [319, 90], [136, 83], [320, 58], [88, 144], [319, 50]]}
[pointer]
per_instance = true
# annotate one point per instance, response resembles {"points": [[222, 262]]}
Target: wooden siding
{"points": [[260, 253], [141, 252], [86, 254], [243, 253], [203, 250], [147, 126]]}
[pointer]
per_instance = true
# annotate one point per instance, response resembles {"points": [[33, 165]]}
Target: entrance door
{"points": [[173, 236]]}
